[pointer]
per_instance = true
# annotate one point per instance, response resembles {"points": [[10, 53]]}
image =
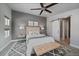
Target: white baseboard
{"points": [[18, 40], [73, 45]]}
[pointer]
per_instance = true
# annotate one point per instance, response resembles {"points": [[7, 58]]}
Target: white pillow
{"points": [[35, 35]]}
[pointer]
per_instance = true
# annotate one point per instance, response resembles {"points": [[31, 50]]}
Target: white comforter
{"points": [[37, 41]]}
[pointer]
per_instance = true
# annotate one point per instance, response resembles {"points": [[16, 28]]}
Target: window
{"points": [[35, 23], [30, 23], [7, 28], [7, 33], [7, 21]]}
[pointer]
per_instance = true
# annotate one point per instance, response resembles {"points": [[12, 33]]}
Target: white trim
{"points": [[73, 45], [18, 40]]}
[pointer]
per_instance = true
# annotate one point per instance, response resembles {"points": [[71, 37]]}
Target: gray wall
{"points": [[23, 18], [4, 11]]}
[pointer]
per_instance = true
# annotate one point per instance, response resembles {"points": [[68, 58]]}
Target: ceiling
{"points": [[56, 9]]}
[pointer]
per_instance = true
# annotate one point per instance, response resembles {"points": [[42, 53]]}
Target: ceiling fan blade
{"points": [[36, 9], [48, 11], [41, 12], [41, 4], [51, 5]]}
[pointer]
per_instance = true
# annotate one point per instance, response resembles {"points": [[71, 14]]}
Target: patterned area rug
{"points": [[19, 49], [13, 53], [69, 51], [55, 52]]}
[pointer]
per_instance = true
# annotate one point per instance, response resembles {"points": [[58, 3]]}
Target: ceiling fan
{"points": [[45, 8]]}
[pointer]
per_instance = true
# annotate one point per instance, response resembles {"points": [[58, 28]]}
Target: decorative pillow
{"points": [[35, 35]]}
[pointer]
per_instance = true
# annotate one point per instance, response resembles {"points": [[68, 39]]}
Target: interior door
{"points": [[65, 30]]}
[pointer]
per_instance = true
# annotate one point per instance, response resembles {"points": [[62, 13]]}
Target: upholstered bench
{"points": [[46, 47]]}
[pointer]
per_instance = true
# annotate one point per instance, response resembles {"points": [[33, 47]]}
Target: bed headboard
{"points": [[32, 29]]}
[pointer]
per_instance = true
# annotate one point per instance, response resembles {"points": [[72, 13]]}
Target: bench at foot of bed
{"points": [[46, 47]]}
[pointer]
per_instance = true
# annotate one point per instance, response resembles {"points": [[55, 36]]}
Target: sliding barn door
{"points": [[56, 29], [61, 30]]}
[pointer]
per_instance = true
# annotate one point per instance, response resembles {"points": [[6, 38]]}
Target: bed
{"points": [[34, 38]]}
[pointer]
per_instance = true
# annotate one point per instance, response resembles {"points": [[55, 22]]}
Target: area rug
{"points": [[19, 49], [55, 52]]}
